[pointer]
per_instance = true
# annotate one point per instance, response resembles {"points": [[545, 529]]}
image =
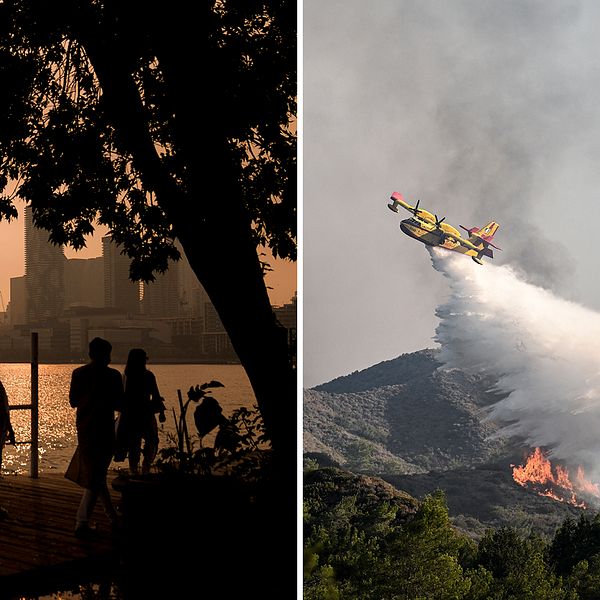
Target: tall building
{"points": [[84, 282], [162, 296], [192, 296], [119, 291], [17, 314], [176, 293], [286, 314], [44, 274]]}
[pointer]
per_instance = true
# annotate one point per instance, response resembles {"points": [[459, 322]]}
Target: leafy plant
{"points": [[241, 442], [240, 446], [195, 394]]}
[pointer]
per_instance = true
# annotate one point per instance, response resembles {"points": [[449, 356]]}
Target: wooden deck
{"points": [[38, 547], [176, 543]]}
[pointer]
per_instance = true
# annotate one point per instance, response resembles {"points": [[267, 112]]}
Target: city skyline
{"points": [[282, 280], [69, 301]]}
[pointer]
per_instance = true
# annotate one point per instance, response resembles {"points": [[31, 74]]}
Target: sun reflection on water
{"points": [[57, 435]]}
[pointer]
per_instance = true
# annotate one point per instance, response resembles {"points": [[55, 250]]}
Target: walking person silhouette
{"points": [[6, 432], [96, 392], [137, 422]]}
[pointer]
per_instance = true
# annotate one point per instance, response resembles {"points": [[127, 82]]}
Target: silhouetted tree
{"points": [[164, 120], [574, 541]]}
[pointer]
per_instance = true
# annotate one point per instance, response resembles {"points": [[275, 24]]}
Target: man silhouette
{"points": [[96, 392]]}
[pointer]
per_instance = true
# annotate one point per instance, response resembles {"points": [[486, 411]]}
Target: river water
{"points": [[57, 436]]}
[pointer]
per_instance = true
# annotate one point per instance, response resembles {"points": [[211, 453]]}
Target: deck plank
{"points": [[38, 535]]}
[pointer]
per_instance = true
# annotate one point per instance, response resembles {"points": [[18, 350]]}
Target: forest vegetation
{"points": [[365, 539]]}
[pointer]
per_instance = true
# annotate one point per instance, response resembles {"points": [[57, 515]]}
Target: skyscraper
{"points": [[192, 295], [17, 307], [119, 291], [161, 296], [84, 282], [176, 293], [44, 274]]}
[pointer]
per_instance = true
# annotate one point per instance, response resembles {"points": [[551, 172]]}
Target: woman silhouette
{"points": [[137, 422]]}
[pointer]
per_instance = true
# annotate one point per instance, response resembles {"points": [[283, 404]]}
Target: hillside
{"points": [[401, 416], [421, 430], [325, 488]]}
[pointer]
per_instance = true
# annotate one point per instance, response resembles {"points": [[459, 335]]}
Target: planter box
{"points": [[215, 530]]}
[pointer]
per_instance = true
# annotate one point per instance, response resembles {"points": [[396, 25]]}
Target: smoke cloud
{"points": [[542, 351], [481, 110]]}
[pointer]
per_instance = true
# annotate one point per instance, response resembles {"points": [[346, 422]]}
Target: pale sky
{"points": [[12, 263], [482, 109]]}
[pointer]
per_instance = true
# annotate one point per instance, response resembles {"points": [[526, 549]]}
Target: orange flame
{"points": [[538, 473]]}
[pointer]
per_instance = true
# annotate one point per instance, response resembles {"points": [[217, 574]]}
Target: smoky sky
{"points": [[483, 110]]}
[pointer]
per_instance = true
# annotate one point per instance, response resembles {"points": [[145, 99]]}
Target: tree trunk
{"points": [[226, 263], [213, 227]]}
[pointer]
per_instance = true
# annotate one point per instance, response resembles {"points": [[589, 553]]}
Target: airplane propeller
{"points": [[438, 223], [415, 209]]}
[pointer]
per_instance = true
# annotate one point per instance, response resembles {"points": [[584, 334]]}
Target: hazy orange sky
{"points": [[12, 262]]}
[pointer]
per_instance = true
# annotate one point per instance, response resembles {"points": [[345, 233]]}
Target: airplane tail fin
{"points": [[485, 235], [487, 232]]}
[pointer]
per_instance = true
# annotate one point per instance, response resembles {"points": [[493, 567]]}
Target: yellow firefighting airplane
{"points": [[430, 230]]}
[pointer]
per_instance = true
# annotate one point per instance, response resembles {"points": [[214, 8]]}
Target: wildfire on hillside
{"points": [[554, 481]]}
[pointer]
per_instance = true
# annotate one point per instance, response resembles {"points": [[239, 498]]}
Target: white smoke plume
{"points": [[542, 351]]}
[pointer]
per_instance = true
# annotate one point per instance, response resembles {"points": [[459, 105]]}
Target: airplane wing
{"points": [[492, 245], [397, 200]]}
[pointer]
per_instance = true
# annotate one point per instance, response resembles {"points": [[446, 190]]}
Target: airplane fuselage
{"points": [[428, 229], [431, 236]]}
